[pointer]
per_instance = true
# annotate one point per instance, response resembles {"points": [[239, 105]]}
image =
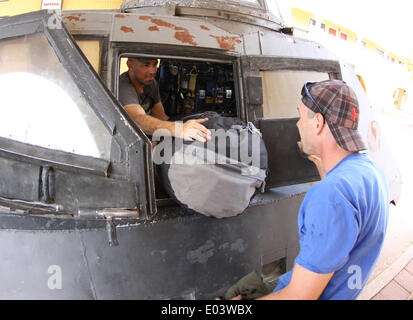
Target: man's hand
{"points": [[194, 130], [190, 130], [304, 285]]}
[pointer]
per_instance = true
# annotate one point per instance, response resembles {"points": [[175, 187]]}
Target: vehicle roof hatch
{"points": [[255, 12]]}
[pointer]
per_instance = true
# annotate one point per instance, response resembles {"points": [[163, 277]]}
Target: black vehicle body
{"points": [[79, 226]]}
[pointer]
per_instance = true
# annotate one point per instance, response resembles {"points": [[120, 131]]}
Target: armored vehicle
{"points": [[80, 215]]}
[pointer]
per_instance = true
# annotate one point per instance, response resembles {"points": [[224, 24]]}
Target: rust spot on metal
{"points": [[120, 15], [74, 16], [83, 20], [205, 28], [145, 18], [126, 29], [162, 23], [225, 42], [182, 35], [71, 18], [185, 37]]}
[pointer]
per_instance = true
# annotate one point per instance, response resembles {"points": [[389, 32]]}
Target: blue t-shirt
{"points": [[342, 223]]}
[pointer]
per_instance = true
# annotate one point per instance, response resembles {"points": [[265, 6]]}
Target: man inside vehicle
{"points": [[140, 97]]}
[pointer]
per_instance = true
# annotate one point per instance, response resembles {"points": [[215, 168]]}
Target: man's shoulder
{"points": [[348, 178], [352, 167], [127, 92], [124, 77], [333, 184]]}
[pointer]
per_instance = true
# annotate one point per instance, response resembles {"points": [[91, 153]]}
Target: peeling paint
{"points": [[183, 35], [75, 17], [153, 28], [71, 18], [163, 23], [202, 254], [145, 18], [205, 28], [120, 15], [126, 29], [225, 42]]}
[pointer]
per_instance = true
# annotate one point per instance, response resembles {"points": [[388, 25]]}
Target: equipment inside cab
{"points": [[190, 86]]}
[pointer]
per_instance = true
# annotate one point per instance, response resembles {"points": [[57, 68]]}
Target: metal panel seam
{"points": [[92, 285]]}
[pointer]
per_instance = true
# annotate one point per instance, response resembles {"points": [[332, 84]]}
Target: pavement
{"points": [[394, 283], [392, 278]]}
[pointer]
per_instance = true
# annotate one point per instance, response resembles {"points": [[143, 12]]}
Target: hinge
{"points": [[46, 184], [109, 214], [111, 230]]}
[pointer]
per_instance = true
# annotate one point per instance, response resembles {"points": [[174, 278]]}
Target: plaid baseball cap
{"points": [[337, 102]]}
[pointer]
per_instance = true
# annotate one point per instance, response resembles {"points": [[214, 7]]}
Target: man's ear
{"points": [[319, 122], [129, 63]]}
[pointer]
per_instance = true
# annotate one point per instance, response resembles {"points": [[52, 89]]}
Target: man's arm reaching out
{"points": [[158, 112], [190, 130], [304, 285]]}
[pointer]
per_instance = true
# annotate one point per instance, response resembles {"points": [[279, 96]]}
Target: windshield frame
{"points": [[131, 153]]}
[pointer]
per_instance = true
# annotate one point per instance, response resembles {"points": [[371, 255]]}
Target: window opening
{"points": [[281, 91], [91, 49], [192, 86]]}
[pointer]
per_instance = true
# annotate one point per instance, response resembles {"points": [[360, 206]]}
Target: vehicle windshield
{"points": [[42, 105]]}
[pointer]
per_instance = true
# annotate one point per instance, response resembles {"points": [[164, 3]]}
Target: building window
{"points": [[343, 36], [332, 31], [323, 26], [311, 22], [363, 44]]}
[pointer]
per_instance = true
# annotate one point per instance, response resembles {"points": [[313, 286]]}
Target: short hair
{"points": [[141, 59], [310, 114]]}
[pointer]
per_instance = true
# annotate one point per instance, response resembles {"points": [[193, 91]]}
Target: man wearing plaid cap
{"points": [[343, 218]]}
